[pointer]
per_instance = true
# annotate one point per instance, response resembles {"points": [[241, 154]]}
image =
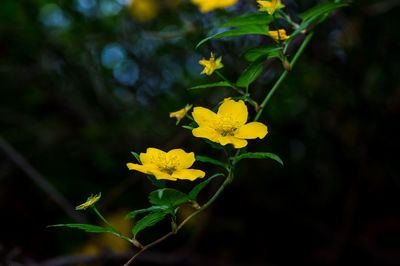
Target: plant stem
{"points": [[283, 75], [208, 203], [104, 220], [230, 83], [115, 231]]}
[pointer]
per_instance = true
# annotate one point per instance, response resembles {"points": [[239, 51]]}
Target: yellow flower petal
{"points": [[161, 175], [204, 116], [190, 174], [281, 36], [234, 112], [237, 143], [270, 6], [182, 159], [165, 165], [178, 114], [209, 5], [153, 156], [206, 132], [251, 131], [146, 169], [211, 65]]}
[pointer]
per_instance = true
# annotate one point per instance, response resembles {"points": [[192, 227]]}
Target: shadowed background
{"points": [[85, 82]]}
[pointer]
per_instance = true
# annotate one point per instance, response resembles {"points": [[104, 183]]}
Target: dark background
{"points": [[85, 82]]}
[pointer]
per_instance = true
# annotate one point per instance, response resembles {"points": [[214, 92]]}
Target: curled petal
{"points": [[237, 143], [147, 169], [182, 159], [233, 112], [204, 116], [206, 132], [252, 130], [189, 174]]}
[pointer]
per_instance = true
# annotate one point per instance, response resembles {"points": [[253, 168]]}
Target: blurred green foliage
{"points": [[85, 82]]}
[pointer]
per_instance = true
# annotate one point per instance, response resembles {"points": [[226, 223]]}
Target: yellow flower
{"points": [[270, 6], [228, 125], [170, 165], [89, 202], [209, 5], [144, 10], [180, 113], [281, 36], [211, 65]]}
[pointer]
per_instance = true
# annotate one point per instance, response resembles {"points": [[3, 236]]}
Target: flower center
{"points": [[169, 165], [168, 170], [227, 132], [226, 126]]}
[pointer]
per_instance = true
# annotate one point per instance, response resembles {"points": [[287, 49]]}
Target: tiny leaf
{"points": [[136, 156], [86, 227], [211, 85], [188, 127], [196, 190], [258, 155]]}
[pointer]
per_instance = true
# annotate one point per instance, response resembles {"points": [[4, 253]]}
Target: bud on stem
{"points": [[286, 64], [137, 243]]}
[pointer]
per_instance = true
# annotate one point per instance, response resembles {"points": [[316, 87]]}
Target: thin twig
{"points": [[40, 181], [209, 202]]}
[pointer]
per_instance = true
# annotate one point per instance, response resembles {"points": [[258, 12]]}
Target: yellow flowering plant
{"points": [[227, 127]]}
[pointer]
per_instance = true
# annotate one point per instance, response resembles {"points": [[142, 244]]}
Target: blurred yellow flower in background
{"points": [[144, 10], [211, 65], [170, 165], [110, 241], [279, 37], [209, 5], [228, 125]]}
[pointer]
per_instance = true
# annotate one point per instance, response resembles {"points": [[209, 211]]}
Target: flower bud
{"points": [[136, 243], [286, 65]]}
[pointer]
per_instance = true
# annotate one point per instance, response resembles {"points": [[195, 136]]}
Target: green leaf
{"points": [[313, 14], [247, 29], [255, 53], [149, 220], [168, 197], [321, 9], [249, 19], [251, 73], [206, 159], [210, 85], [86, 227], [136, 156], [258, 155], [188, 127], [196, 190], [156, 182], [152, 208]]}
